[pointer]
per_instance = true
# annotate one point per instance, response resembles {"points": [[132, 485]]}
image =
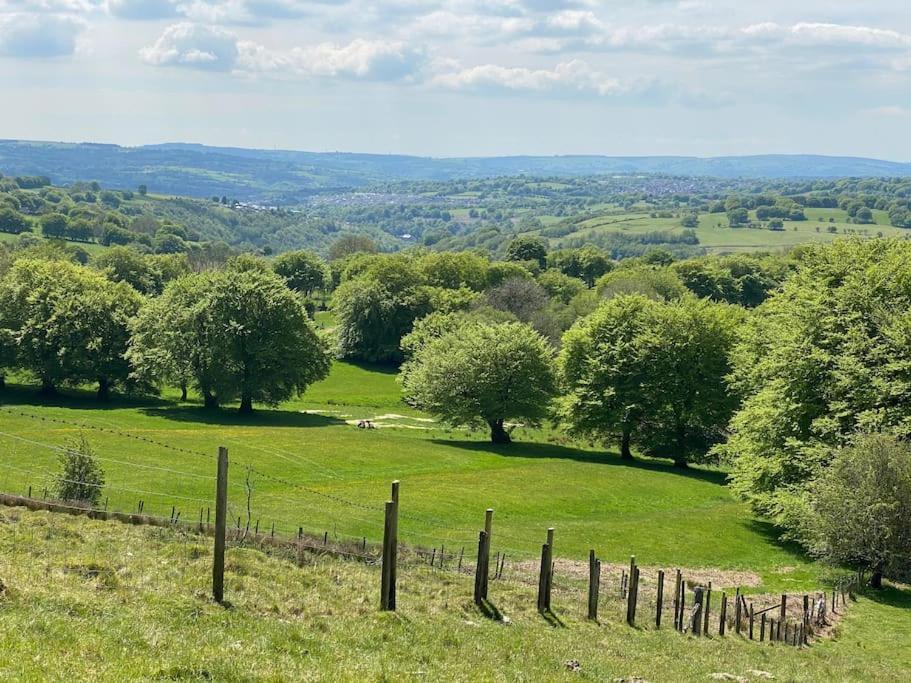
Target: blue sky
{"points": [[464, 77]]}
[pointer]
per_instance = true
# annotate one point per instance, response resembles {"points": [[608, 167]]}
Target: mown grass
{"points": [[315, 470], [102, 601]]}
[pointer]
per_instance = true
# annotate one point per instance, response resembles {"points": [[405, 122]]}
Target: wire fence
{"points": [[150, 481]]}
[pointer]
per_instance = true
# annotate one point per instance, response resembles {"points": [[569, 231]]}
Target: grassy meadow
{"points": [[314, 468], [84, 600]]}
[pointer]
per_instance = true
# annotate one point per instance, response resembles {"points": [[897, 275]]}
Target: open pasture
{"points": [[314, 468]]}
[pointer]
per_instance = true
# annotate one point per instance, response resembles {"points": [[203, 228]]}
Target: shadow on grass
{"points": [[75, 398], [490, 610], [551, 618], [891, 596], [381, 368], [546, 450], [231, 418]]}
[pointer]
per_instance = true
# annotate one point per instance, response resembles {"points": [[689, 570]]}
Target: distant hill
{"points": [[283, 176]]}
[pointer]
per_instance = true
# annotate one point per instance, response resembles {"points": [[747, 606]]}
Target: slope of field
{"points": [[315, 469], [85, 600]]}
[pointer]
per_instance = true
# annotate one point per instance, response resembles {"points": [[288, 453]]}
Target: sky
{"points": [[464, 77]]}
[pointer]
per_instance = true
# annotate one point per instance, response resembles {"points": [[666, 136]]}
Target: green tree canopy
{"points": [[303, 270], [482, 373], [858, 510], [234, 334], [526, 248], [826, 356]]}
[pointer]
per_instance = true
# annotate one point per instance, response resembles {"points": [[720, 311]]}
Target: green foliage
{"points": [[302, 270], [482, 373], [81, 479], [526, 248], [739, 279], [652, 373], [659, 283], [236, 333], [349, 244], [858, 509], [13, 222], [68, 324], [826, 356], [559, 286]]}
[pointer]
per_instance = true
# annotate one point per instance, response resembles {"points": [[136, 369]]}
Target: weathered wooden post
{"points": [[480, 594], [695, 624], [386, 567], [659, 599], [677, 601], [594, 579], [545, 578], [631, 593], [705, 608], [762, 628], [723, 619], [737, 612], [394, 549], [221, 514], [751, 621]]}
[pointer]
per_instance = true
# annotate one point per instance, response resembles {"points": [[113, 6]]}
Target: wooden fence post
{"points": [[545, 578], [723, 619], [593, 579], [480, 593], [386, 600], [695, 624], [631, 593], [221, 513], [677, 601], [737, 612], [659, 599], [751, 621], [394, 548], [705, 608], [762, 628]]}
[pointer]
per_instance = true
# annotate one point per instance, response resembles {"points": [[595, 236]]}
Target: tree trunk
{"points": [[48, 388], [497, 433], [876, 578], [104, 389], [209, 400], [183, 391], [625, 451], [680, 455], [246, 404]]}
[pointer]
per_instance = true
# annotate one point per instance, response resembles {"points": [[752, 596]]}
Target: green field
{"points": [[716, 235], [315, 469], [85, 600]]}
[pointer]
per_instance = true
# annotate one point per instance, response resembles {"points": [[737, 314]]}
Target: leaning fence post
{"points": [[659, 599], [480, 593], [592, 586], [221, 513]]}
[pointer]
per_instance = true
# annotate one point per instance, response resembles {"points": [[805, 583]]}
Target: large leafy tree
{"points": [[303, 270], [482, 373], [527, 248], [826, 356], [235, 333], [686, 349], [67, 324], [858, 510], [603, 371], [377, 306], [651, 373]]}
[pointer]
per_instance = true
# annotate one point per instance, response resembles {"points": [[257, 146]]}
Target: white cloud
{"points": [[193, 46], [360, 59], [574, 76], [891, 111], [39, 35]]}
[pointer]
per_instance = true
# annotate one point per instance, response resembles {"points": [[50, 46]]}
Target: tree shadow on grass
{"points": [[772, 534], [229, 417], [552, 451], [890, 595], [75, 398]]}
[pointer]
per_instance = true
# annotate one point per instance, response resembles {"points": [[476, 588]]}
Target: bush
{"points": [[82, 477]]}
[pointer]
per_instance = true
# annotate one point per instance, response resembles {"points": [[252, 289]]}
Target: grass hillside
{"points": [[315, 469], [89, 600]]}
